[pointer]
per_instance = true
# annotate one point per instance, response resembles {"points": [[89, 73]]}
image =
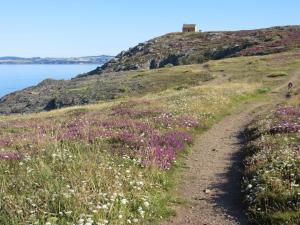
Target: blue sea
{"points": [[17, 77]]}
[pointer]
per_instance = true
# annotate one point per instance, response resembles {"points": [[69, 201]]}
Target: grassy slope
{"points": [[256, 68], [68, 175]]}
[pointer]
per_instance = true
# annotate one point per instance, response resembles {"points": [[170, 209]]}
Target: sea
{"points": [[17, 77]]}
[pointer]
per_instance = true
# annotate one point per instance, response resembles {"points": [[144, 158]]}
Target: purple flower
{"points": [[286, 120], [188, 121], [10, 156]]}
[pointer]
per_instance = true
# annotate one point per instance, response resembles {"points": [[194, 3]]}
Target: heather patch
{"points": [[286, 120], [10, 156], [131, 128]]}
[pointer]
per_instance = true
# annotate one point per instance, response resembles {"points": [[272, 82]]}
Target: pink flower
{"points": [[10, 156]]}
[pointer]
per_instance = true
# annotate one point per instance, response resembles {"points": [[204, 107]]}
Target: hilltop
{"points": [[198, 47], [153, 66]]}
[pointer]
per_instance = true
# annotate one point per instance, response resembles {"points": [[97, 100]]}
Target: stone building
{"points": [[188, 28]]}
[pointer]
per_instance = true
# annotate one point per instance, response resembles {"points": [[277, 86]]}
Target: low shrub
{"points": [[277, 74]]}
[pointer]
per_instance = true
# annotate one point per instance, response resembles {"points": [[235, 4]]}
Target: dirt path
{"points": [[211, 181]]}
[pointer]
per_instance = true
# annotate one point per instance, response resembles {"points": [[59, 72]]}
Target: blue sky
{"points": [[62, 28]]}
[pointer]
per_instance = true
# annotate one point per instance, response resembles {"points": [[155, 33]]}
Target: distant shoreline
{"points": [[12, 60], [65, 64]]}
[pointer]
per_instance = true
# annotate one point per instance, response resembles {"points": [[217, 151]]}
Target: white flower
{"points": [[68, 213], [146, 204], [120, 216], [124, 201], [141, 211], [89, 221]]}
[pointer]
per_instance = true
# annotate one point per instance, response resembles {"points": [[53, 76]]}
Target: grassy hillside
{"points": [[113, 162]]}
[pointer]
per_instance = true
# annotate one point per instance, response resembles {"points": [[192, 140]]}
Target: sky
{"points": [[67, 28]]}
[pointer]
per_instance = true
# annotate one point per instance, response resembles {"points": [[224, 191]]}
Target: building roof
{"points": [[189, 25]]}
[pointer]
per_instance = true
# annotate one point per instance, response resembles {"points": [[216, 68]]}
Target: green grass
{"points": [[76, 182]]}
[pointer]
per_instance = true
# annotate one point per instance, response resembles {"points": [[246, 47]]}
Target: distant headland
{"points": [[101, 59]]}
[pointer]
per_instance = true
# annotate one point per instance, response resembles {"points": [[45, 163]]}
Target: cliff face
{"points": [[192, 48], [111, 80]]}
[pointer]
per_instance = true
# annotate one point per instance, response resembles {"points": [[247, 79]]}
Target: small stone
{"points": [[207, 191]]}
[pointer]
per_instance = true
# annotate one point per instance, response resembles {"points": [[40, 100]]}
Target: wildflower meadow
{"points": [[109, 163]]}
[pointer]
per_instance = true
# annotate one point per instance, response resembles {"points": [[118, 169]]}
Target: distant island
{"points": [[73, 60]]}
